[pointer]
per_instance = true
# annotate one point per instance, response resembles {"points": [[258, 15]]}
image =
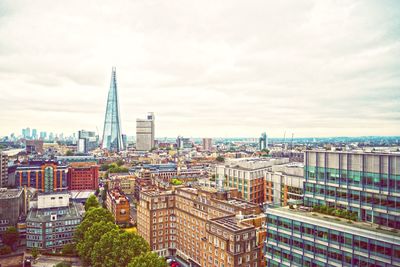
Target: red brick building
{"points": [[83, 176]]}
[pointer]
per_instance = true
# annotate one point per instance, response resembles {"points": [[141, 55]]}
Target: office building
{"points": [[285, 184], [12, 207], [199, 225], [46, 176], [51, 223], [34, 134], [364, 183], [43, 135], [263, 142], [34, 147], [112, 135], [247, 175], [83, 176], [145, 133], [302, 238], [87, 141], [182, 142], [207, 144], [118, 204], [3, 169]]}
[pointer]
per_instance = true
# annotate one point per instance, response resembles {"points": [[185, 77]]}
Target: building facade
{"points": [[3, 169], [365, 183], [248, 176], [299, 238], [12, 207], [199, 225], [46, 176], [83, 176], [52, 223], [145, 133], [207, 144], [118, 204]]}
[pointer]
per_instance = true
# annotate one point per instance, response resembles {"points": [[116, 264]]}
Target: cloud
{"points": [[226, 68]]}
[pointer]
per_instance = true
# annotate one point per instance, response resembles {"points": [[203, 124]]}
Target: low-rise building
{"points": [[118, 204], [52, 221], [125, 183]]}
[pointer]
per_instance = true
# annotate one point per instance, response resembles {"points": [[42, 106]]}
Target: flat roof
{"points": [[358, 228], [231, 223], [10, 193], [73, 211]]}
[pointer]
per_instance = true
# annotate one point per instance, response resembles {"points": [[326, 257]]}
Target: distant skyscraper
{"points": [[112, 137], [263, 141], [207, 144], [43, 135], [34, 134], [145, 133]]}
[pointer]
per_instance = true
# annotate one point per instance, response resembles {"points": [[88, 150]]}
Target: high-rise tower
{"points": [[112, 137]]}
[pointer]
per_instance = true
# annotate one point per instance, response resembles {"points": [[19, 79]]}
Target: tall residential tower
{"points": [[112, 137]]}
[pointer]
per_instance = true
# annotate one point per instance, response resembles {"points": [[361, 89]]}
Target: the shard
{"points": [[112, 137]]}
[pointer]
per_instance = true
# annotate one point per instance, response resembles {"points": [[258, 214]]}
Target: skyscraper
{"points": [[112, 138], [145, 133]]}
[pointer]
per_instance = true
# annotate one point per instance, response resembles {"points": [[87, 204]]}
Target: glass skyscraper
{"points": [[112, 137]]}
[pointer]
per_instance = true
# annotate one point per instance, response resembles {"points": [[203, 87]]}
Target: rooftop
{"points": [[73, 211], [359, 228], [231, 223], [10, 193]]}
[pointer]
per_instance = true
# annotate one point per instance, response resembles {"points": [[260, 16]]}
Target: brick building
{"points": [[184, 222], [118, 204], [83, 176]]}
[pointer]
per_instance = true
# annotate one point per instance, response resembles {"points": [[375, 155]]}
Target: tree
{"points": [[118, 248], [69, 153], [4, 250], [92, 216], [35, 253], [10, 236], [119, 162], [91, 237], [63, 264], [148, 259], [69, 249], [91, 202], [220, 159]]}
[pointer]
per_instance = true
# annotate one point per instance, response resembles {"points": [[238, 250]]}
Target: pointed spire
{"points": [[112, 137]]}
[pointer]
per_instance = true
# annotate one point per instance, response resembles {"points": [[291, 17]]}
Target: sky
{"points": [[205, 68]]}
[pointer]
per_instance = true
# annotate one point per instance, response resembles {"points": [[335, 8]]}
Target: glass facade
{"points": [[366, 183], [304, 243]]}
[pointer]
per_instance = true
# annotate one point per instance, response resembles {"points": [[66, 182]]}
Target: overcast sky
{"points": [[206, 68]]}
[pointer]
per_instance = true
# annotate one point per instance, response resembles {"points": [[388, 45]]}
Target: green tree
{"points": [[91, 202], [4, 250], [35, 253], [91, 237], [63, 264], [10, 236], [220, 159], [120, 162], [69, 249], [148, 259], [92, 216], [118, 248], [69, 153]]}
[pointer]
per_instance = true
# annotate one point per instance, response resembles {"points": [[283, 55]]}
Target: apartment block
{"points": [[181, 223], [118, 204], [365, 183], [284, 184], [3, 169], [248, 176], [125, 183]]}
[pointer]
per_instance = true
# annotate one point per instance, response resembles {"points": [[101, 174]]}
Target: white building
{"points": [[145, 133]]}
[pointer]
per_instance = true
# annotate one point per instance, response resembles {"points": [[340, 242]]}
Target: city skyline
{"points": [[310, 68]]}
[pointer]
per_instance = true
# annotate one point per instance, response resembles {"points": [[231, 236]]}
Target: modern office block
{"points": [[302, 238], [145, 133], [365, 183], [52, 224]]}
